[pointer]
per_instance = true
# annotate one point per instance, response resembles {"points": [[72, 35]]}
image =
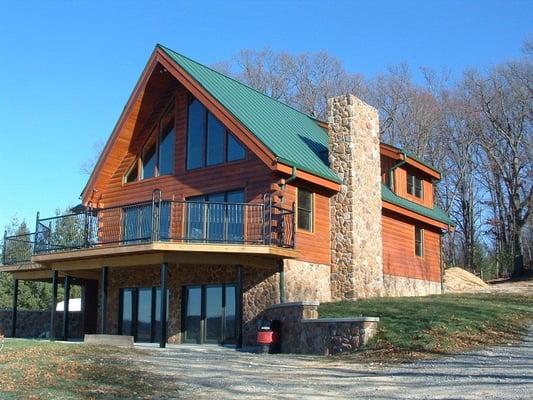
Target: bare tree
{"points": [[504, 101], [303, 81]]}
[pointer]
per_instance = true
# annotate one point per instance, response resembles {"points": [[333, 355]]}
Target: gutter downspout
{"points": [[282, 262], [391, 170], [441, 259]]}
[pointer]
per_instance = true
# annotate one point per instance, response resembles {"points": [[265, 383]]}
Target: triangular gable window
{"points": [[208, 141], [157, 155]]}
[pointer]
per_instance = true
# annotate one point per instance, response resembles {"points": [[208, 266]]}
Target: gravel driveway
{"points": [[216, 372]]}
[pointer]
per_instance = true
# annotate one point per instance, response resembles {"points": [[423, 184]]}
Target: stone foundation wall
{"points": [[36, 324], [396, 286], [303, 333], [260, 290], [356, 242], [306, 281]]}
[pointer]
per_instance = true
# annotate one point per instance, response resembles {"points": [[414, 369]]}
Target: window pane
{"points": [[193, 317], [305, 210], [215, 217], [418, 187], [230, 331], [166, 151], [419, 242], [127, 312], [196, 212], [195, 135], [304, 199], [148, 161], [235, 150], [304, 220], [410, 188], [215, 141], [164, 220], [213, 313], [144, 318], [235, 216], [132, 174]]}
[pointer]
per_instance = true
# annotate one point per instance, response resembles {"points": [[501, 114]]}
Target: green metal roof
{"points": [[435, 213], [293, 137]]}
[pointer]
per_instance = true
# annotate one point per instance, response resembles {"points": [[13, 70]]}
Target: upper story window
{"points": [[305, 210], [148, 159], [414, 185], [133, 172], [157, 155], [419, 241], [166, 150], [208, 141]]}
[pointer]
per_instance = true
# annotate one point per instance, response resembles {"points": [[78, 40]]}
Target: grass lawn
{"points": [[44, 370], [414, 327]]}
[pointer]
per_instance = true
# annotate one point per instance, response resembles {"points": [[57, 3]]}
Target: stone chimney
{"points": [[356, 241]]}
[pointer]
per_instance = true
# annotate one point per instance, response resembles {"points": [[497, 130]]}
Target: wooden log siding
{"points": [[399, 257], [313, 246]]}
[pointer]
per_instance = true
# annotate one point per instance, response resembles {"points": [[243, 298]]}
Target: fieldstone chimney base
{"points": [[356, 244]]}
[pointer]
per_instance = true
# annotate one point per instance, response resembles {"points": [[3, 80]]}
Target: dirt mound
{"points": [[457, 280]]}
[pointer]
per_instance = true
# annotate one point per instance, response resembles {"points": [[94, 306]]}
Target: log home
{"points": [[211, 201]]}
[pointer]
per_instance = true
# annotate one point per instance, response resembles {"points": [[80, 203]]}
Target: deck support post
{"points": [[239, 305], [281, 281], [103, 300], [15, 305], [55, 278], [66, 296], [163, 302]]}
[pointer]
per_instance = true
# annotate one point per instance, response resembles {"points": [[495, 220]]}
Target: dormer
{"points": [[407, 176]]}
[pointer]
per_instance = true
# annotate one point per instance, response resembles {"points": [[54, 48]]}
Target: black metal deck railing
{"points": [[156, 221]]}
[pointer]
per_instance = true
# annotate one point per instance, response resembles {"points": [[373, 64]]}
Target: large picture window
{"points": [[305, 210], [166, 150], [208, 141]]}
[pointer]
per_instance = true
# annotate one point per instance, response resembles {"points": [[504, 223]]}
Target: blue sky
{"points": [[68, 67]]}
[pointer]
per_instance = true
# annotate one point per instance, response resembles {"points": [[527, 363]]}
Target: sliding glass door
{"points": [[138, 222], [140, 313], [217, 217], [210, 314]]}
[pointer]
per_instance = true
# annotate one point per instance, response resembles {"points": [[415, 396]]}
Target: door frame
{"points": [[222, 340], [135, 310]]}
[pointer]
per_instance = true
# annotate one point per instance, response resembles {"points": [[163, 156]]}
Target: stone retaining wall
{"points": [[36, 324], [302, 332]]}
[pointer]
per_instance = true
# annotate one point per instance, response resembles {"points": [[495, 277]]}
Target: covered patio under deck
{"points": [[164, 292]]}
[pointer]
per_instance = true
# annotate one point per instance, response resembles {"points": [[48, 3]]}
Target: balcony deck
{"points": [[153, 232]]}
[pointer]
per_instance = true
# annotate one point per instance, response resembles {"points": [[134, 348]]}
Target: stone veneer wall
{"points": [[303, 333], [306, 281], [260, 290], [36, 324], [397, 286], [356, 244]]}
